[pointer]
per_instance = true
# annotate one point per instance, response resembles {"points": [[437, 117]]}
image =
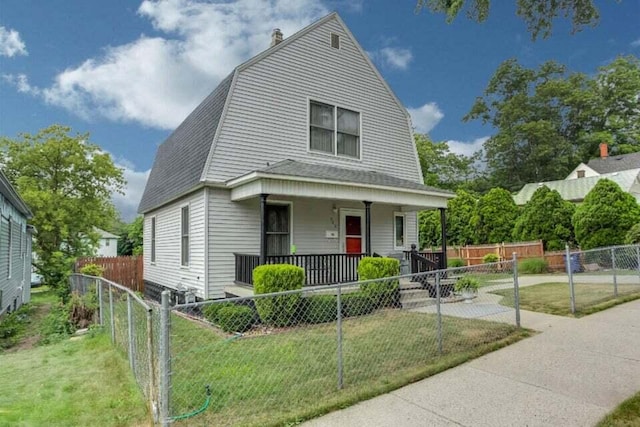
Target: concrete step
{"points": [[405, 285], [413, 293], [417, 302]]}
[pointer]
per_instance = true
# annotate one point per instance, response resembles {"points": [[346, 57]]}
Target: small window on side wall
{"points": [[335, 41], [153, 239], [580, 174], [399, 231], [185, 237]]}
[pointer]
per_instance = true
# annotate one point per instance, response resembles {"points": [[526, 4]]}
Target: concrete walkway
{"points": [[571, 374]]}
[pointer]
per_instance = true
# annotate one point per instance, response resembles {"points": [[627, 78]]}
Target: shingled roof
{"points": [[615, 163], [299, 169], [181, 159]]}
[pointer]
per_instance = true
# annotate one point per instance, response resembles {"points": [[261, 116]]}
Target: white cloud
{"points": [[426, 117], [21, 82], [393, 57], [467, 147], [10, 43], [635, 43], [157, 81], [127, 203]]}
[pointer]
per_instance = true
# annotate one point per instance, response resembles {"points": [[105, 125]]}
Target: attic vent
{"points": [[335, 41]]}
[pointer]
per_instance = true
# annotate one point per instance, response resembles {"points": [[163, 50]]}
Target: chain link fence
{"points": [[602, 277], [284, 357], [133, 326]]}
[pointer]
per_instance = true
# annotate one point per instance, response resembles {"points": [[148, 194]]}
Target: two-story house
{"points": [[302, 155], [15, 248]]}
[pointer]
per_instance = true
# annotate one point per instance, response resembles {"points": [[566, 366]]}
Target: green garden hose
{"points": [[197, 411]]}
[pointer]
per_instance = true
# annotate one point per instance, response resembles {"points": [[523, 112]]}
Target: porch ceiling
{"points": [[298, 179]]}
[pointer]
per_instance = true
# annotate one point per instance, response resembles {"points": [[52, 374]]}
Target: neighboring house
{"points": [[15, 248], [302, 155], [107, 244], [624, 170]]}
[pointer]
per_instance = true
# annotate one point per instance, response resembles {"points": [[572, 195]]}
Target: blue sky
{"points": [[129, 71]]}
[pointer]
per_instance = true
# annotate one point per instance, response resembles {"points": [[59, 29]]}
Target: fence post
{"points": [[339, 337], [615, 276], [151, 362], [439, 313], [516, 289], [130, 336], [572, 295], [165, 358], [100, 303], [112, 319]]}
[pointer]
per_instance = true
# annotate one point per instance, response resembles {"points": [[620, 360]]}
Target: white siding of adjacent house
{"points": [[107, 247], [267, 118], [234, 227], [582, 167], [167, 270]]}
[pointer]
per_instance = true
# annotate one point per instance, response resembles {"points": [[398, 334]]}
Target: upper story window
{"points": [[334, 130], [335, 41], [580, 174], [185, 236], [153, 239]]}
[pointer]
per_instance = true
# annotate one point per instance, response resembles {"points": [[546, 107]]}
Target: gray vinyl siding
{"points": [[234, 227], [167, 270], [14, 282], [267, 115]]}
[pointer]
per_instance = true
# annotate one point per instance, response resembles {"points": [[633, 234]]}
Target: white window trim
{"points": [[152, 240], [290, 204], [188, 264], [335, 154], [404, 231]]}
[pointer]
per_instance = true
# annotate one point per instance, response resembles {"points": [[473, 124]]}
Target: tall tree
{"points": [[548, 121], [546, 217], [130, 241], [538, 14], [67, 182], [460, 212], [606, 216], [442, 168], [494, 217]]}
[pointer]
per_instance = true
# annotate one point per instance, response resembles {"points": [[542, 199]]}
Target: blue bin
{"points": [[574, 263]]}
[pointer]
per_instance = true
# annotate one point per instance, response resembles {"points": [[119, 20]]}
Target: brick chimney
{"points": [[604, 151], [276, 37]]}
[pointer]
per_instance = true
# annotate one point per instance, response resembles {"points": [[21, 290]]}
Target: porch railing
{"points": [[320, 269], [425, 261]]}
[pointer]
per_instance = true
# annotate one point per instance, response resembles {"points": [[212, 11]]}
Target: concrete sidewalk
{"points": [[571, 374]]}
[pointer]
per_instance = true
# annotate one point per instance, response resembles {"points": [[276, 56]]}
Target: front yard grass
{"points": [[291, 376], [554, 298], [84, 382], [627, 414]]}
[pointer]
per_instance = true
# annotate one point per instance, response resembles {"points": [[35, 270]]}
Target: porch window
{"points": [[278, 240], [334, 130], [184, 242], [153, 239], [399, 227]]}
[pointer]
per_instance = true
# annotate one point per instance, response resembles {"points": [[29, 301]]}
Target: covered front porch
{"points": [[326, 225]]}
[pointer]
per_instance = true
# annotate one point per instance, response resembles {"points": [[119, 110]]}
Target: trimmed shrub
{"points": [[384, 292], [356, 304], [533, 266], [211, 311], [455, 263], [633, 235], [235, 318], [488, 258], [92, 270], [320, 309], [280, 310]]}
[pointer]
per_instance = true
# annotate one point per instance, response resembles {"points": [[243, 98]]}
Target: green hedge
{"points": [[356, 304], [320, 309], [235, 318], [533, 266], [211, 311], [455, 263], [383, 292], [488, 258], [281, 310]]}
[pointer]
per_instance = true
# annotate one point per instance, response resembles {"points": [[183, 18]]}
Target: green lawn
{"points": [[72, 383], [32, 315], [291, 376], [553, 298], [625, 415]]}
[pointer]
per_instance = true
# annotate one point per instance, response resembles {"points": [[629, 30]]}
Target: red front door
{"points": [[353, 234]]}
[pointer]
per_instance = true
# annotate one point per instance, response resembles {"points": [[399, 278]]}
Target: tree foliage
{"points": [[605, 217], [547, 217], [67, 182], [440, 167], [131, 235], [537, 14], [494, 217], [460, 213], [429, 229], [548, 121]]}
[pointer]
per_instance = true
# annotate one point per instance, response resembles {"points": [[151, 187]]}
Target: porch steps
{"points": [[414, 298]]}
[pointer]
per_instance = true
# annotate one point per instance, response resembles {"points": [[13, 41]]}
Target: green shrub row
{"points": [[533, 266], [383, 293]]}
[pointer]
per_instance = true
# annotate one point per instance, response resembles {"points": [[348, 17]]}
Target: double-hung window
{"points": [[334, 130], [184, 242], [399, 231], [153, 239]]}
